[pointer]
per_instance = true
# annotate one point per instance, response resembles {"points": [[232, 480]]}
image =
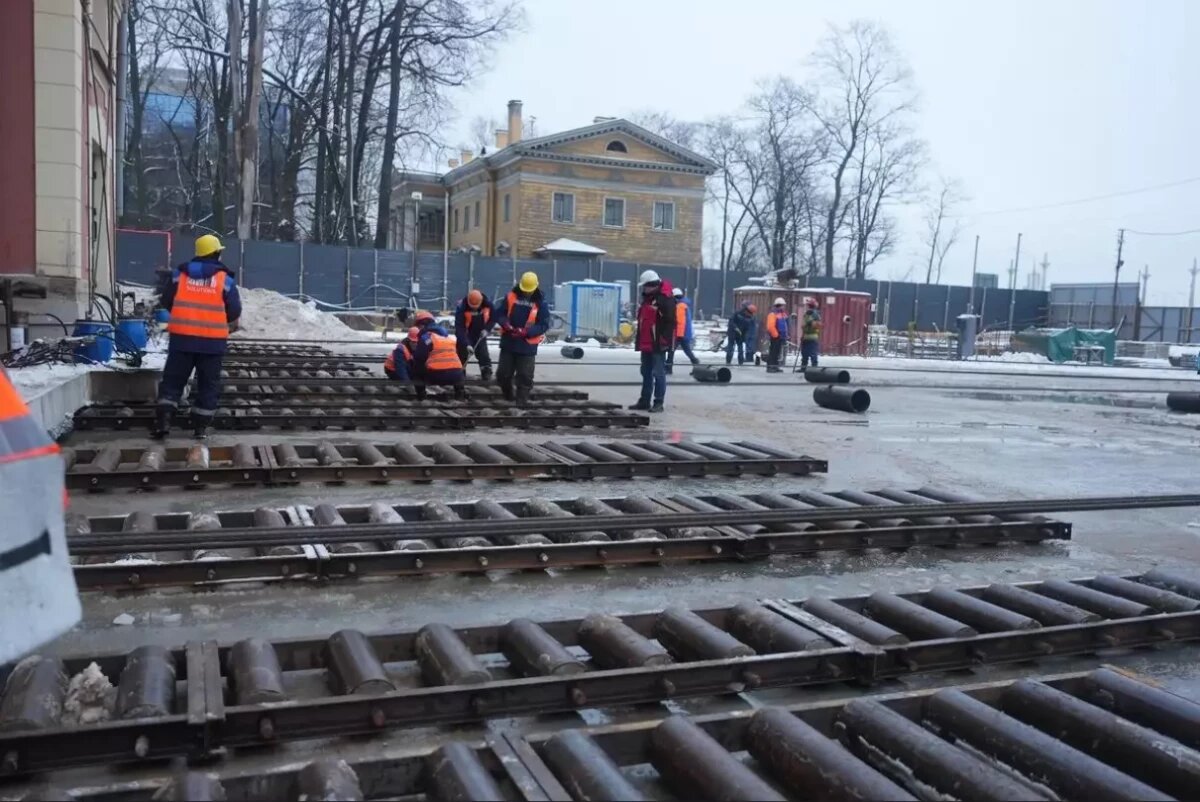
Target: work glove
{"points": [[518, 332], [506, 328]]}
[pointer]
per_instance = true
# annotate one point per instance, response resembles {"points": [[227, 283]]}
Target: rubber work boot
{"points": [[200, 426], [642, 405], [658, 407], [485, 374], [162, 421], [460, 393], [522, 398]]}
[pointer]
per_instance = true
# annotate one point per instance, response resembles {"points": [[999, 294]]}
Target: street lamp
{"points": [[415, 288]]}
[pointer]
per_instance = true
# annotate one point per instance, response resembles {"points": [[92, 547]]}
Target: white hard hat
{"points": [[648, 277], [678, 293], [780, 302]]}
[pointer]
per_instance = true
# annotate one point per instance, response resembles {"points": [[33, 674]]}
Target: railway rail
{"points": [[396, 416], [1101, 734], [143, 550], [293, 390], [288, 462], [202, 697]]}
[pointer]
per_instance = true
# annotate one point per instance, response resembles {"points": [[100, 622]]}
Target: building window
{"points": [[478, 216], [664, 216], [614, 212], [466, 218], [617, 146], [507, 204], [456, 221], [564, 208]]}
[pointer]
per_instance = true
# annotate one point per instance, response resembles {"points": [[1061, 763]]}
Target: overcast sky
{"points": [[1028, 103]]}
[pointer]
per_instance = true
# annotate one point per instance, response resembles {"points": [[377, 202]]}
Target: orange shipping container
{"points": [[845, 316]]}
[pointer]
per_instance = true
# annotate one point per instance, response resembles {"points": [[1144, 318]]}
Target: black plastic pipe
{"points": [[572, 352], [1183, 402], [846, 399], [712, 374], [827, 375]]}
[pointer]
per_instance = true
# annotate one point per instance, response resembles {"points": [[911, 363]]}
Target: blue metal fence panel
{"points": [[267, 265], [361, 278], [140, 254]]}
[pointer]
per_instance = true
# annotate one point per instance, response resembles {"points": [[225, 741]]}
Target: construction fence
{"points": [[341, 277], [1090, 306]]}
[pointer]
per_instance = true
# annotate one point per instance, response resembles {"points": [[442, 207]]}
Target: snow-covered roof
{"points": [[564, 245]]}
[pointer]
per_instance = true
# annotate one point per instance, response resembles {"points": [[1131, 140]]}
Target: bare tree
{"points": [[866, 85], [724, 142], [246, 105], [482, 131], [887, 167], [941, 230], [681, 132]]}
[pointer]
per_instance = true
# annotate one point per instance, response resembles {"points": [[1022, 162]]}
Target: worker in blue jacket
{"points": [[473, 321], [684, 333], [523, 317], [740, 334]]}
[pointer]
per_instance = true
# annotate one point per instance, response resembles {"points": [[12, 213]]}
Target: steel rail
{"points": [[634, 521]]}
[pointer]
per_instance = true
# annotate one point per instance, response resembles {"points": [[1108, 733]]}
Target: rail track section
{"points": [[143, 550], [401, 416], [202, 697], [1097, 735], [288, 462], [368, 390]]}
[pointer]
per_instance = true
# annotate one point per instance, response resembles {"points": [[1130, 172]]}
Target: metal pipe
{"points": [[712, 374], [353, 665], [976, 612], [1183, 402], [857, 625], [614, 644], [1141, 752], [1165, 712], [696, 766], [571, 352], [914, 620], [147, 686], [843, 399], [826, 376], [328, 778], [33, 696], [1162, 600], [586, 770], [689, 637], [871, 730], [803, 758], [1068, 771], [535, 652], [457, 775], [445, 659], [769, 632], [1103, 603], [254, 672], [1174, 581]]}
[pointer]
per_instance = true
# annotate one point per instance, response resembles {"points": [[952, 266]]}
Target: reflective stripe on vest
{"points": [[529, 320], [199, 307], [772, 326], [444, 355], [20, 435], [469, 316], [680, 319], [389, 364]]}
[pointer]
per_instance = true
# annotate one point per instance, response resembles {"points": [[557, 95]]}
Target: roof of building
{"points": [[564, 245], [542, 147]]}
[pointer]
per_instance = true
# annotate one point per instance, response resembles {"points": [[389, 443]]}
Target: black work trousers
{"points": [[179, 368], [518, 367], [775, 352], [481, 354]]}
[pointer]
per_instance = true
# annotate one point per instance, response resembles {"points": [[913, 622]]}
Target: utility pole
{"points": [[1045, 270], [1145, 281], [1192, 301], [1117, 274], [1012, 290], [975, 266]]}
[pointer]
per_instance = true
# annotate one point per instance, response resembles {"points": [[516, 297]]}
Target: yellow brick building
{"points": [[611, 187]]}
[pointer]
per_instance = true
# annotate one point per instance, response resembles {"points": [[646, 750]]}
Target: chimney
{"points": [[514, 122], [453, 163], [466, 155], [501, 138]]}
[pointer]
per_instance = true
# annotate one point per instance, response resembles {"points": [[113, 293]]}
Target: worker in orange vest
{"points": [[472, 324], [38, 600], [399, 363], [777, 331], [683, 329], [203, 300], [435, 358], [523, 318]]}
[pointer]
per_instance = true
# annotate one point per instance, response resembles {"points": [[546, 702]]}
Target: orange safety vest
{"points": [[444, 355], [199, 307], [529, 321], [773, 325], [680, 320], [468, 315], [20, 436]]}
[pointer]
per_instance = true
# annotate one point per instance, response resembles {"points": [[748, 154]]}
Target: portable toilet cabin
{"points": [[589, 308], [845, 315]]}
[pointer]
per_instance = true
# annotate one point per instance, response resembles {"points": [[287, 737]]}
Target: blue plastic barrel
{"points": [[161, 316], [131, 334], [101, 348]]}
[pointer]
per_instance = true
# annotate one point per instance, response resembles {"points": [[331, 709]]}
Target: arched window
{"points": [[616, 146]]}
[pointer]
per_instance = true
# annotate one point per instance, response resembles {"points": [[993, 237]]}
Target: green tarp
{"points": [[1069, 345]]}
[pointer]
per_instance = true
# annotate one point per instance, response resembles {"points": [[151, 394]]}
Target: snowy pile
{"points": [[267, 314], [90, 697]]}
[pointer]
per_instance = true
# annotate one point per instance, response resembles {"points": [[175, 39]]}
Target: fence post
{"points": [[696, 295], [300, 283], [375, 282], [553, 274], [946, 315], [1012, 306], [347, 276], [983, 307], [470, 271]]}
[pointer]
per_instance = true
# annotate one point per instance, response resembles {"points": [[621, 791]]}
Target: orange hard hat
{"points": [[474, 299], [422, 317], [414, 333]]}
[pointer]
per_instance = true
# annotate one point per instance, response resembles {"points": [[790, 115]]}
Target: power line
{"points": [[1078, 201], [1163, 233]]}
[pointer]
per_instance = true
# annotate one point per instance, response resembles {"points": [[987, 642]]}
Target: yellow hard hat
{"points": [[528, 282], [208, 245]]}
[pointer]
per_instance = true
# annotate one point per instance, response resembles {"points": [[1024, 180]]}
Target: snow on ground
{"points": [[40, 378], [266, 313]]}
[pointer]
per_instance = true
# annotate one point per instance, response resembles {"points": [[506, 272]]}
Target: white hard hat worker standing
{"points": [[38, 600]]}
